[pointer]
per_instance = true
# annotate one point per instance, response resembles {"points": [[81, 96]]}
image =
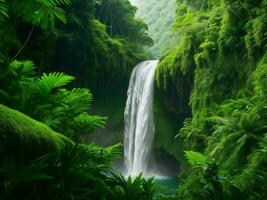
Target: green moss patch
{"points": [[21, 135]]}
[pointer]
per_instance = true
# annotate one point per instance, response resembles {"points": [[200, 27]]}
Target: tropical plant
{"points": [[221, 59], [132, 187], [18, 178], [196, 159], [79, 172], [3, 10], [47, 100], [43, 13], [212, 185], [64, 110], [37, 13], [47, 83]]}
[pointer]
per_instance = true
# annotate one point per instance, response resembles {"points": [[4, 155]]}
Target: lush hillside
{"points": [[219, 65], [159, 15], [64, 73]]}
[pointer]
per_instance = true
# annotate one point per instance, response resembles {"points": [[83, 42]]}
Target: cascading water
{"points": [[139, 125]]}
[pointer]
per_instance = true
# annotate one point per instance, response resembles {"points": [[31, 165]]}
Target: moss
{"points": [[260, 77], [22, 136], [168, 117], [165, 127], [256, 164], [222, 52]]}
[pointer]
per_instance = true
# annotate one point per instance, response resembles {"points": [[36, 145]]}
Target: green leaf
{"points": [[195, 159], [23, 68], [47, 83], [43, 13], [77, 100], [3, 10]]}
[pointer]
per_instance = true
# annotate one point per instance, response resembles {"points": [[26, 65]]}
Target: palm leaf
{"points": [[78, 99], [47, 83], [43, 13], [88, 123]]}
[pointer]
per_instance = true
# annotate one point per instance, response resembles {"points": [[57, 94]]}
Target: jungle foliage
{"points": [[43, 151], [81, 38], [221, 60], [38, 163], [52, 51], [47, 99]]}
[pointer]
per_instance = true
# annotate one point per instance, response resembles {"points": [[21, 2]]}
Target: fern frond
{"points": [[89, 123], [195, 159], [114, 151], [3, 10], [43, 13], [47, 83], [22, 68], [77, 99]]}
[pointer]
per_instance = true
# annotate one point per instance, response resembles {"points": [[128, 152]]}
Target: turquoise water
{"points": [[167, 185]]}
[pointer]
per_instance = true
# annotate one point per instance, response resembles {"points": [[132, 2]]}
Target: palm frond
{"points": [[47, 83], [78, 99], [88, 123], [43, 13]]}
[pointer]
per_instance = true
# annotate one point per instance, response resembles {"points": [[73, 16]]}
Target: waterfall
{"points": [[139, 125]]}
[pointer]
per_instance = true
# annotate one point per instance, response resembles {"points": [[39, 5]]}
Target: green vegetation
{"points": [[90, 41], [81, 38], [26, 134], [46, 100], [159, 15], [221, 60], [38, 163], [210, 97]]}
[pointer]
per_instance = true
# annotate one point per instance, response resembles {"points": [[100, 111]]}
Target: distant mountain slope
{"points": [[159, 15]]}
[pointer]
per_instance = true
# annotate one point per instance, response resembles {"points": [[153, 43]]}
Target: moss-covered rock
{"points": [[22, 136]]}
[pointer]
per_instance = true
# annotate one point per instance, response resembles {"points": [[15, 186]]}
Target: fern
{"points": [[195, 159], [132, 188], [47, 83], [43, 13], [77, 99], [22, 68], [3, 10], [114, 151], [85, 123]]}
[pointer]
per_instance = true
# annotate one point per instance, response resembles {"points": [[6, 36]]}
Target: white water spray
{"points": [[139, 125]]}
